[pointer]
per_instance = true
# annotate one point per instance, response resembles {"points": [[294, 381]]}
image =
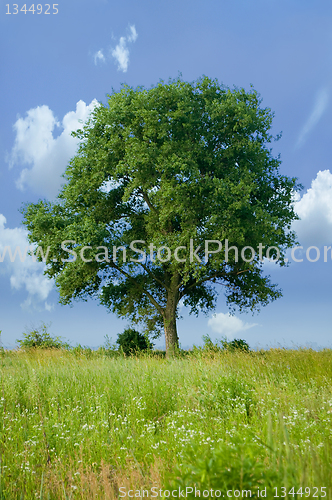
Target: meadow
{"points": [[83, 425]]}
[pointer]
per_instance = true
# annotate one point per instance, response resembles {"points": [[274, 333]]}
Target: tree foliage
{"points": [[177, 162]]}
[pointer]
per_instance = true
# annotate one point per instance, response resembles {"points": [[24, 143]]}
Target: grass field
{"points": [[83, 424]]}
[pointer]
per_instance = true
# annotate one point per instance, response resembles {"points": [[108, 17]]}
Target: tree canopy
{"points": [[175, 169]]}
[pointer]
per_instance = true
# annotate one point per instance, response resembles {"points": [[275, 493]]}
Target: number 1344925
{"points": [[40, 8]]}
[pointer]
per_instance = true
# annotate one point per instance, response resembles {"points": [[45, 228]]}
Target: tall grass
{"points": [[82, 425]]}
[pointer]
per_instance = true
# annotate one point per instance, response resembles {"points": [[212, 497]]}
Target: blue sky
{"points": [[53, 68]]}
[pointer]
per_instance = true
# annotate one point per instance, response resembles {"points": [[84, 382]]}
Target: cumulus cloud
{"points": [[320, 105], [46, 155], [23, 272], [315, 212], [99, 57], [228, 325]]}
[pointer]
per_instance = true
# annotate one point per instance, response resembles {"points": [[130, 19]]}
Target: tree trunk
{"points": [[171, 335]]}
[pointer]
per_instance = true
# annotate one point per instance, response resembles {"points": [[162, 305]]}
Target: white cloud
{"points": [[121, 51], [133, 34], [121, 54], [49, 307], [99, 57], [47, 156], [181, 304], [320, 105], [315, 212], [228, 325], [26, 275]]}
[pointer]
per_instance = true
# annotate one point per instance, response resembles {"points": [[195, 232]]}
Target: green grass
{"points": [[82, 424]]}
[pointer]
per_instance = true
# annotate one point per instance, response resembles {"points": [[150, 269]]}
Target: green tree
{"points": [[172, 166]]}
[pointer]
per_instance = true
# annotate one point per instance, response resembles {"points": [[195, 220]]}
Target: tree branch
{"points": [[216, 275], [153, 276], [148, 294], [147, 200]]}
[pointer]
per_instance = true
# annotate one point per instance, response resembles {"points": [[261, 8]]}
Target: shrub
{"points": [[240, 344], [40, 338], [224, 344], [131, 341]]}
